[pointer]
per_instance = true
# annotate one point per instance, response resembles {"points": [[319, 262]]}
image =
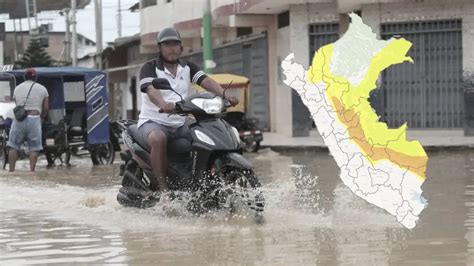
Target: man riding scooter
{"points": [[155, 123]]}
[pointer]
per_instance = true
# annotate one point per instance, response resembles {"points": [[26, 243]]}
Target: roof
{"points": [[238, 82], [125, 40], [135, 7], [224, 80], [17, 8], [57, 71]]}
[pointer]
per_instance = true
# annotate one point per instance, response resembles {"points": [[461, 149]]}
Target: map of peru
{"points": [[378, 164]]}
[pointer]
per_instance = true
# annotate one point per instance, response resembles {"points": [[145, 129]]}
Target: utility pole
{"points": [[98, 31], [207, 38], [119, 20], [27, 6], [36, 15], [67, 39], [22, 46], [15, 43], [74, 33]]}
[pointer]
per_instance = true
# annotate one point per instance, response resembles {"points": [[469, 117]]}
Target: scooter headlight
{"points": [[204, 137], [210, 106]]}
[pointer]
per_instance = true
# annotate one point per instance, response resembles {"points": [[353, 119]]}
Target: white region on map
{"points": [[360, 44]]}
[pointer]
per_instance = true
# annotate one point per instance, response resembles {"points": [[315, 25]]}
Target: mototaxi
{"points": [[77, 122]]}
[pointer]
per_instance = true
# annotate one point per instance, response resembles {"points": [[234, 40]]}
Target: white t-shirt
{"points": [[35, 99], [186, 74]]}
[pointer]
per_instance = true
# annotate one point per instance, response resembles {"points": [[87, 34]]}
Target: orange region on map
{"points": [[416, 164]]}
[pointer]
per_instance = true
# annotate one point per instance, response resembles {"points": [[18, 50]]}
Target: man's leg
{"points": [[15, 139], [34, 137], [159, 159], [12, 158], [33, 160]]}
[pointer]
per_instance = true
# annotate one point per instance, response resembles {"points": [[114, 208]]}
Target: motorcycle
{"points": [[210, 167]]}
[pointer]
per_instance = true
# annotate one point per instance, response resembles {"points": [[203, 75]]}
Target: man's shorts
{"points": [[27, 130], [170, 132]]}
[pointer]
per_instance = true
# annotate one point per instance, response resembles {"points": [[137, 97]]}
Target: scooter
{"points": [[210, 167]]}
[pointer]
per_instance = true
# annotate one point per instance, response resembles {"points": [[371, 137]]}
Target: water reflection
{"points": [[30, 237], [71, 215], [469, 204]]}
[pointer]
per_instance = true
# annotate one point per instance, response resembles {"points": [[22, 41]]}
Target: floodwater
{"points": [[70, 216]]}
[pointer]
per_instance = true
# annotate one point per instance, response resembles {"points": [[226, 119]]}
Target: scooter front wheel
{"points": [[246, 189]]}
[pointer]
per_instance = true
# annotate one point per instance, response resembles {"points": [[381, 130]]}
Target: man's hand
{"points": [[167, 107], [233, 100]]}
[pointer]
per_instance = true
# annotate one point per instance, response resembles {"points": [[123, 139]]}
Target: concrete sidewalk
{"points": [[428, 138]]}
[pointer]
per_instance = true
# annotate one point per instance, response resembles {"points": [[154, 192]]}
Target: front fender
{"points": [[236, 160]]}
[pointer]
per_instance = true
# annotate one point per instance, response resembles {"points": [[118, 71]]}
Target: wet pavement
{"points": [[70, 216]]}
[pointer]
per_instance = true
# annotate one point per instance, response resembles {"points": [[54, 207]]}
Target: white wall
{"points": [[154, 18], [87, 62], [300, 17], [280, 94]]}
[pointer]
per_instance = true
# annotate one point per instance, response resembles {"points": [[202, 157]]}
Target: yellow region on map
{"points": [[376, 141]]}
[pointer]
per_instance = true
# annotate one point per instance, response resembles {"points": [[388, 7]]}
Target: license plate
{"points": [[50, 142]]}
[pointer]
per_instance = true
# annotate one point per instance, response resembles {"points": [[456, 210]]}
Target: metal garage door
{"points": [[247, 57], [428, 93], [319, 34]]}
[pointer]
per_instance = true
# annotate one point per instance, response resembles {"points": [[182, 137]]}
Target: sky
{"points": [[86, 20]]}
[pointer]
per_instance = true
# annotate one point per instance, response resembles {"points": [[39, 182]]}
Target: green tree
{"points": [[35, 56]]}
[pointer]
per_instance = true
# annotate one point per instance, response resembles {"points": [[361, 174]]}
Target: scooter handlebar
{"points": [[177, 108]]}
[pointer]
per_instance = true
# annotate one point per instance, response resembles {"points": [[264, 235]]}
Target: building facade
{"points": [[252, 37], [53, 42]]}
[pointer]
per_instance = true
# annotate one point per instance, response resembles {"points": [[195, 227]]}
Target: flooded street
{"points": [[68, 216]]}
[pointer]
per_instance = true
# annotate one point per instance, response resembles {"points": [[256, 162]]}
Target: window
{"points": [[242, 31], [283, 19], [44, 41]]}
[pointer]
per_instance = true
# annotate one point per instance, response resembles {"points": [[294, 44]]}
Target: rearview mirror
{"points": [[164, 84]]}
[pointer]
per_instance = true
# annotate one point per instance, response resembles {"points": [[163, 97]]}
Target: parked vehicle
{"points": [[249, 133], [77, 122]]}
